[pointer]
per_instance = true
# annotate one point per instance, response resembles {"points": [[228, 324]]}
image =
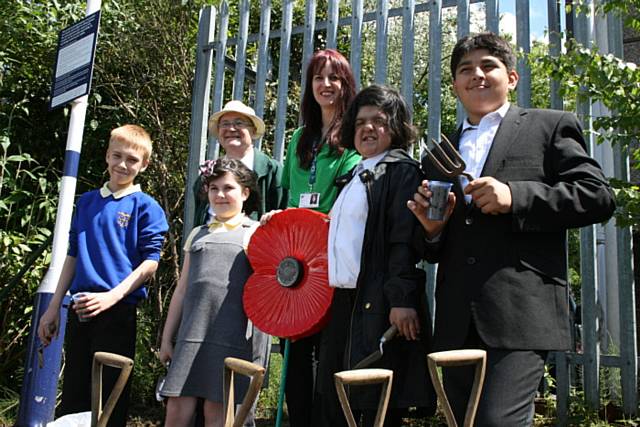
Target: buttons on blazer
{"points": [[468, 220], [367, 306], [471, 260]]}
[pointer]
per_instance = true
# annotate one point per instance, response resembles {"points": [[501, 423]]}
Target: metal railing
{"points": [[603, 248]]}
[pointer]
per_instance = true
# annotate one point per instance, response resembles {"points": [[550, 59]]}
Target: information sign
{"points": [[74, 61]]}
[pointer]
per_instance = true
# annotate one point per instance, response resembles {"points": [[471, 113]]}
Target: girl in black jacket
{"points": [[373, 251]]}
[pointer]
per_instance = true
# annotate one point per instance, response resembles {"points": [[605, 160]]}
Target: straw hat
{"points": [[237, 107]]}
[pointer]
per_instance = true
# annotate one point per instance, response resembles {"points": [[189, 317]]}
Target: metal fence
{"points": [[607, 297]]}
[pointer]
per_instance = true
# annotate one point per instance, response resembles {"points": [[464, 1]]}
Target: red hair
{"points": [[310, 111]]}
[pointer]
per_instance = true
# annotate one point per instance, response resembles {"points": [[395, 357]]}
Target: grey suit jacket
{"points": [[507, 273]]}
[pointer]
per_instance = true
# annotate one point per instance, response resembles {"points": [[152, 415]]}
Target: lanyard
{"points": [[314, 163]]}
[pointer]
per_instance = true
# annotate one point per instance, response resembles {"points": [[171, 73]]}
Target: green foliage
{"points": [[579, 413], [27, 209], [627, 9], [585, 74], [143, 71], [8, 405], [268, 400], [628, 199]]}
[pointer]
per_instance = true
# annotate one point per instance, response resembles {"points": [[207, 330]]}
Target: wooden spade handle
{"points": [[364, 377], [233, 366], [99, 415], [459, 358]]}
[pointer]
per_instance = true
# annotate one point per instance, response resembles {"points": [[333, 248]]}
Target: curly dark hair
{"points": [[389, 101], [243, 175], [496, 45]]}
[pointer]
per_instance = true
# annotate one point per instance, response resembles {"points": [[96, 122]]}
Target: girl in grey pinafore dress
{"points": [[214, 324], [206, 318]]}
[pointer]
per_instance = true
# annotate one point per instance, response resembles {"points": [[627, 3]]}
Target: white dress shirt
{"points": [[475, 141], [346, 229]]}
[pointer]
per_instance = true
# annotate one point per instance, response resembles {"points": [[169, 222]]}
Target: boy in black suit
{"points": [[502, 276]]}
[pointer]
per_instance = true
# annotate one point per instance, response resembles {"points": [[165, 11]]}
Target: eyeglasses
{"points": [[237, 124]]}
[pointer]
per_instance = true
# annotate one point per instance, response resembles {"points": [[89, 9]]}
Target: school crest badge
{"points": [[123, 219]]}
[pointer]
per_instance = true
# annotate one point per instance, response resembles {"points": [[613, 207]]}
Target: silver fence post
{"points": [[333, 16], [263, 61], [554, 49], [434, 113], [199, 111], [590, 309], [307, 45], [382, 23], [626, 288], [283, 79], [492, 16], [408, 34], [463, 17], [241, 51], [356, 37], [524, 43], [435, 74], [219, 68]]}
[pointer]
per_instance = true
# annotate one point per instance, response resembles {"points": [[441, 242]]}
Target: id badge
{"points": [[309, 200]]}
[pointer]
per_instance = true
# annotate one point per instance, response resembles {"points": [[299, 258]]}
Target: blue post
{"points": [[42, 365], [39, 386]]}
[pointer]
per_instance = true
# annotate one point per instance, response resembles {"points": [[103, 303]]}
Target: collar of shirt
{"points": [[105, 192], [247, 159], [488, 118], [476, 140], [369, 163], [228, 225]]}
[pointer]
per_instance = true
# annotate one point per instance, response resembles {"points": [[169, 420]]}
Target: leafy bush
{"points": [[27, 210]]}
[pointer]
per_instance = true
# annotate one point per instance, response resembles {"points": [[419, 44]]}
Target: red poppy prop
{"points": [[288, 294]]}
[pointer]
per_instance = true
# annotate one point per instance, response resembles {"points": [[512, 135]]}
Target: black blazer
{"points": [[508, 272]]}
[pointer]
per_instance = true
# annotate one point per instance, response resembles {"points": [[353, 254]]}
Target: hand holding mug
{"points": [[422, 201]]}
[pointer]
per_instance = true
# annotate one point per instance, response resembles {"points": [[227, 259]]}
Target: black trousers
{"points": [[299, 387], [327, 409], [510, 385], [113, 331]]}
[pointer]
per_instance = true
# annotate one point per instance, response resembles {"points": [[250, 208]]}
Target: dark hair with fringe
{"points": [[391, 103], [310, 109], [496, 45], [243, 176]]}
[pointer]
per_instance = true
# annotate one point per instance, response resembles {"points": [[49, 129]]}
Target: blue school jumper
{"points": [[111, 234]]}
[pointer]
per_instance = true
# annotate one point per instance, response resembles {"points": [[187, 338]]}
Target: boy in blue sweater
{"points": [[114, 247]]}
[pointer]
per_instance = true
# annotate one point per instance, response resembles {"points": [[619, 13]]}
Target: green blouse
{"points": [[329, 166]]}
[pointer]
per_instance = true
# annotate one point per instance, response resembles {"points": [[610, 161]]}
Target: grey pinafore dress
{"points": [[214, 324]]}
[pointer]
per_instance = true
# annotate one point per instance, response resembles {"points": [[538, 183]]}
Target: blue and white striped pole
{"points": [[42, 365]]}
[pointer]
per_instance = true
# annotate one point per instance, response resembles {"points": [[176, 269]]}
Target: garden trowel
{"points": [[377, 355]]}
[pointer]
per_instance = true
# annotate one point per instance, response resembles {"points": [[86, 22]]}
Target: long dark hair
{"points": [[388, 100], [243, 176], [310, 110]]}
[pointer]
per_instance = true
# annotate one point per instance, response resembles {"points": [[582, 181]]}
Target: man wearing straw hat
{"points": [[236, 126]]}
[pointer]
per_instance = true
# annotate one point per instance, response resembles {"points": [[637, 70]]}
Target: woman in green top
{"points": [[314, 160], [314, 157]]}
